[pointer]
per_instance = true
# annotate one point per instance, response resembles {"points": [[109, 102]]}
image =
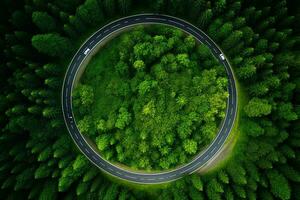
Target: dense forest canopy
{"points": [[38, 158], [155, 90]]}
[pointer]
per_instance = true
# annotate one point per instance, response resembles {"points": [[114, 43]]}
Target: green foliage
{"points": [[279, 185], [44, 21], [260, 40], [257, 107], [190, 146], [151, 78], [52, 44]]}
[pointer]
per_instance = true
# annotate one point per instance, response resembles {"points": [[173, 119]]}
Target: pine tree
{"points": [[52, 44], [279, 185], [44, 21]]}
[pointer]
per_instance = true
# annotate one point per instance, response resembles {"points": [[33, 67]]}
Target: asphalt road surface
{"points": [[139, 176]]}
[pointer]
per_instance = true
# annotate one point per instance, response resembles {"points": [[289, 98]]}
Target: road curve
{"points": [[136, 176]]}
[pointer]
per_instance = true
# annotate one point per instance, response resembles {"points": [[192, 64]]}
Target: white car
{"points": [[222, 56], [86, 51]]}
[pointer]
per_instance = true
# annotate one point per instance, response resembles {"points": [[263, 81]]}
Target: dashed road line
{"points": [[116, 26], [119, 173], [98, 36], [206, 156], [91, 42], [150, 18], [175, 22], [94, 157]]}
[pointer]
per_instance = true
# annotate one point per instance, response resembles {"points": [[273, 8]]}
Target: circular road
{"points": [[136, 176]]}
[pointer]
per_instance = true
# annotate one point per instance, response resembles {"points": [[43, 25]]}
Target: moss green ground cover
{"points": [[152, 98]]}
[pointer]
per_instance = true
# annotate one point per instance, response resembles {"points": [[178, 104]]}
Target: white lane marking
{"points": [[73, 68], [98, 36], [116, 26], [72, 126], [94, 157], [231, 111], [87, 150], [92, 42], [106, 30], [190, 29], [67, 105], [151, 18], [125, 22], [101, 164], [230, 81], [76, 136], [206, 156], [222, 137], [69, 80], [109, 168], [80, 143], [119, 173], [213, 148], [184, 171], [215, 50], [137, 19], [130, 176], [175, 22], [195, 32], [225, 66]]}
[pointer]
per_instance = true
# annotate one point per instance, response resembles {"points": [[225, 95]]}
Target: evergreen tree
{"points": [[52, 44], [44, 21]]}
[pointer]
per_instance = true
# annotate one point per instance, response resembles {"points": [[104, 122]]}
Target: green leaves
{"points": [[279, 185], [123, 119], [139, 64], [38, 158], [44, 21], [257, 107], [155, 98], [145, 86], [196, 181], [52, 44], [190, 146]]}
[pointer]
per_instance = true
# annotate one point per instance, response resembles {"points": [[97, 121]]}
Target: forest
{"points": [[38, 159], [165, 96]]}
